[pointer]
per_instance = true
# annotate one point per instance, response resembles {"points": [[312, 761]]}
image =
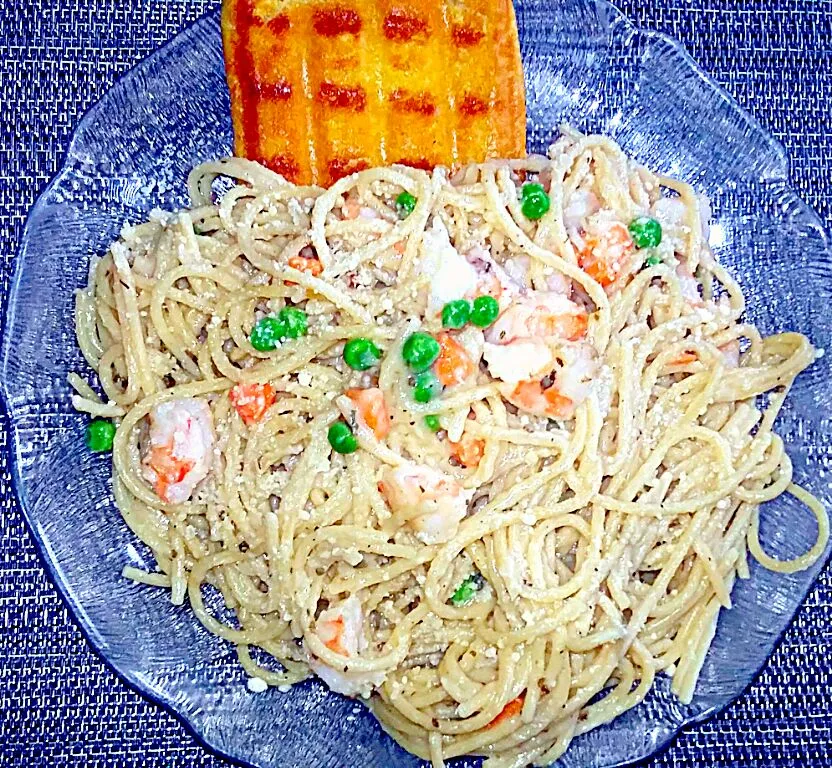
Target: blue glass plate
{"points": [[585, 65]]}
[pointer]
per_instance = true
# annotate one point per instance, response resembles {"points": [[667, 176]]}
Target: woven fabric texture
{"points": [[59, 704]]}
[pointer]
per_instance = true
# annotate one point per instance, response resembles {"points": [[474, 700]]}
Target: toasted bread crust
{"points": [[322, 89]]}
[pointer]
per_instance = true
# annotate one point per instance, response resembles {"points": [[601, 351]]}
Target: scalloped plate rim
{"points": [[179, 710]]}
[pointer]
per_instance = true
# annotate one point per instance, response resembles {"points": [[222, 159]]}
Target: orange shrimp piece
{"points": [[169, 469], [544, 316], [399, 247], [531, 396], [571, 327], [372, 409], [453, 365], [334, 629], [303, 264], [596, 269], [527, 394], [605, 255], [559, 404], [252, 401], [512, 709], [468, 450]]}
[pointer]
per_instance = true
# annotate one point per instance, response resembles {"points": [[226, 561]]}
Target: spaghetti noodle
{"points": [[497, 531]]}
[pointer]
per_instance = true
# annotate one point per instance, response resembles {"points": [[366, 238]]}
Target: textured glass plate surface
{"points": [[586, 65]]}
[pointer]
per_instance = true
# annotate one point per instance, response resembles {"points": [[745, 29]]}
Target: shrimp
{"points": [[354, 210], [431, 502], [540, 315], [451, 276], [526, 353], [557, 282], [305, 261], [492, 279], [372, 410], [580, 205], [519, 360], [472, 340], [312, 265], [534, 397], [453, 366], [341, 629], [517, 268], [516, 278], [605, 249], [468, 451], [454, 276], [559, 387], [181, 448], [575, 367], [252, 401], [689, 286], [731, 353]]}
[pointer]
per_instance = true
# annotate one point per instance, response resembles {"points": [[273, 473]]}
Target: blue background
{"points": [[59, 704]]}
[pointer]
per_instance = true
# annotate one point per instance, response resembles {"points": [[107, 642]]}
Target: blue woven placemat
{"points": [[59, 704]]}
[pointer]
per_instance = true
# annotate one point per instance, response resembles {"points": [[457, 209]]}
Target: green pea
{"points": [[485, 311], [653, 260], [99, 435], [456, 313], [266, 334], [405, 204], [361, 354], [294, 323], [466, 591], [420, 351], [290, 323], [534, 202], [341, 438], [432, 422], [646, 232], [426, 387]]}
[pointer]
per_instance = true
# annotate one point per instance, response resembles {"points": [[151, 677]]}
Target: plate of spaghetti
{"points": [[518, 460]]}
